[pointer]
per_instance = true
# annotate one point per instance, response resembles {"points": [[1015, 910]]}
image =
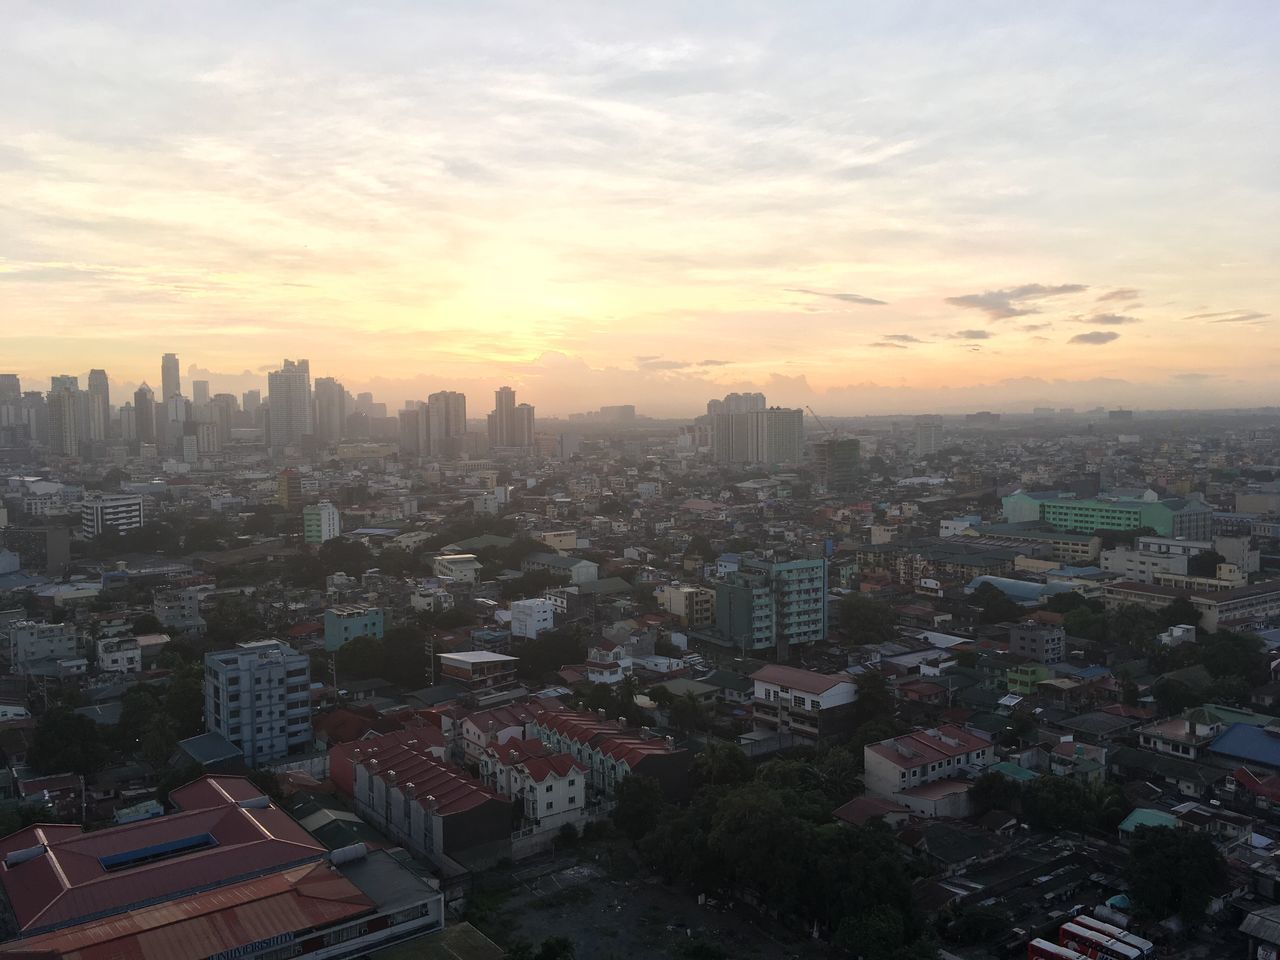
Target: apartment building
{"points": [[575, 568], [321, 522], [772, 604], [922, 757], [463, 567], [258, 696], [345, 622], [110, 511], [33, 646], [484, 729], [808, 705], [1041, 642], [179, 610], [531, 617], [548, 788], [695, 606]]}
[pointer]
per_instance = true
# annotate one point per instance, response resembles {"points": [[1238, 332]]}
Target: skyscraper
{"points": [[144, 413], [10, 388], [251, 400], [64, 426], [170, 377], [928, 435], [331, 409], [502, 420], [447, 416], [289, 393], [99, 405], [199, 392], [414, 429]]}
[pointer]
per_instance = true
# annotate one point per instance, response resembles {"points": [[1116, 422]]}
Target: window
{"points": [[550, 805], [815, 704], [549, 788], [798, 702], [573, 783], [572, 801]]}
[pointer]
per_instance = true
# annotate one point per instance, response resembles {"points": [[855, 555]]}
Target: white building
{"points": [[179, 610], [900, 768], [258, 696], [289, 391], [321, 522], [463, 567], [31, 643], [530, 617], [120, 511], [122, 655], [550, 788]]}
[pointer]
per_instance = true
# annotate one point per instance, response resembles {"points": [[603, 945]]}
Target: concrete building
{"points": [[548, 789], [904, 768], [33, 645], [289, 490], [695, 606], [331, 409], [289, 393], [110, 511], [1170, 517], [1041, 642], [64, 420], [531, 617], [810, 706], [144, 414], [178, 610], [576, 569], [772, 604], [348, 621], [510, 425], [119, 655], [447, 423], [98, 405], [763, 435], [463, 567], [258, 696], [170, 377], [321, 522], [836, 461], [1249, 607], [487, 677], [928, 435], [415, 440]]}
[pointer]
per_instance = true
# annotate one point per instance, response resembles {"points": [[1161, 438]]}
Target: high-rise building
{"points": [[759, 435], [10, 388], [128, 422], [331, 409], [523, 426], [251, 400], [258, 696], [502, 420], [773, 604], [414, 432], [144, 412], [785, 435], [170, 377], [64, 417], [447, 419], [289, 490], [289, 393], [928, 435], [65, 382], [175, 412], [835, 461], [99, 405], [199, 392]]}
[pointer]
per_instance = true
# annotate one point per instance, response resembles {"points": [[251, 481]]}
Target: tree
{"points": [[721, 764], [637, 807], [875, 700], [1056, 803], [146, 624], [864, 620], [875, 934], [1174, 871], [995, 605], [688, 714], [361, 658], [556, 948], [992, 791], [1174, 696], [66, 742], [1204, 565]]}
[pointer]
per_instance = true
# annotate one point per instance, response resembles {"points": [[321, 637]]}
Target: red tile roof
{"points": [[861, 809], [65, 880], [206, 924], [928, 746], [410, 762], [804, 680]]}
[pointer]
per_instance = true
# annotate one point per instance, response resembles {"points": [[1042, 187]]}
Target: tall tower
{"points": [[447, 416], [200, 392], [144, 413], [99, 405], [331, 409], [289, 394], [64, 426], [502, 422], [170, 377]]}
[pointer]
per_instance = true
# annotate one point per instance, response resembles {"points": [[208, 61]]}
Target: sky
{"points": [[864, 207]]}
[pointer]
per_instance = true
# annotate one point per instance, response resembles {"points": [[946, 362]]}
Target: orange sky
{"points": [[602, 203]]}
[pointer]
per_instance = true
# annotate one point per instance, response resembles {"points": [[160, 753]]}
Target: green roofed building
{"points": [[1170, 517]]}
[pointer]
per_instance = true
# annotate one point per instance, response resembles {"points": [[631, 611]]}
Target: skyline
{"points": [[899, 211]]}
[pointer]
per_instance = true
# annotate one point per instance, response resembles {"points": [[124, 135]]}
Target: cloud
{"points": [[846, 297], [1003, 304], [714, 363], [887, 346], [1095, 337], [648, 357], [1108, 320], [1123, 293], [1230, 316], [971, 335], [656, 364], [1194, 377], [902, 338], [1033, 327]]}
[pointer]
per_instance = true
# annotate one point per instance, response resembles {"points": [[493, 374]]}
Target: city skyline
{"points": [[906, 210]]}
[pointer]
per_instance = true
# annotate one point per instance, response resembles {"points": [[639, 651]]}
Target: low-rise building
{"points": [[258, 696], [807, 705], [531, 617], [896, 766], [118, 512], [346, 622], [492, 728], [695, 606], [609, 752], [488, 678], [1041, 642], [575, 568], [321, 522], [463, 567], [119, 655], [179, 610], [549, 789], [32, 644]]}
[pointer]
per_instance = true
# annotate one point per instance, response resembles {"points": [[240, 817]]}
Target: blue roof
{"points": [[1143, 817], [376, 532], [1022, 591], [1243, 741]]}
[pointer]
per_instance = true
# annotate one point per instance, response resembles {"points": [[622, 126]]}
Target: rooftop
{"points": [[797, 679]]}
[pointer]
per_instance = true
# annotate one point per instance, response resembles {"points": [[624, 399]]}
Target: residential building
{"points": [[488, 678], [463, 567], [758, 435], [331, 409], [1041, 642], [903, 768], [1239, 608], [928, 435], [810, 706], [575, 568], [772, 604], [510, 425], [64, 420], [119, 655], [610, 753], [549, 789], [447, 423], [119, 512], [178, 610], [34, 645], [415, 428], [531, 617], [430, 808], [483, 729], [144, 414], [98, 406], [258, 696], [836, 461], [695, 606], [289, 395], [348, 621], [321, 522]]}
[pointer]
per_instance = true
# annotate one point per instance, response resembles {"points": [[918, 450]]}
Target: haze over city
{"points": [[890, 208]]}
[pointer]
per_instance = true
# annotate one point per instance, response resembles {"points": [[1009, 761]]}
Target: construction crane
{"points": [[832, 434]]}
